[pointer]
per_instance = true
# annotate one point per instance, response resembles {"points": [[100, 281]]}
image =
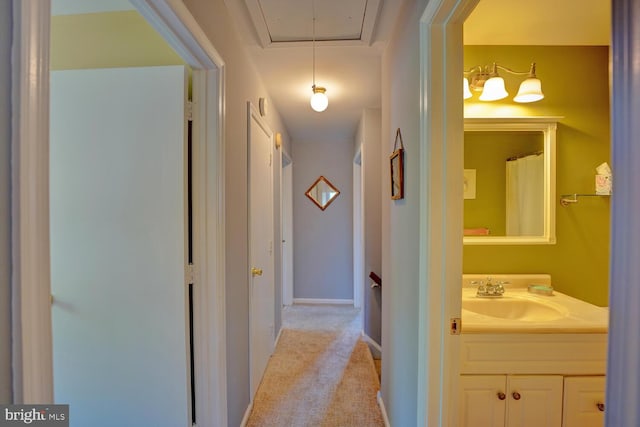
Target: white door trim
{"points": [[32, 345], [441, 136], [358, 230], [286, 229], [31, 278]]}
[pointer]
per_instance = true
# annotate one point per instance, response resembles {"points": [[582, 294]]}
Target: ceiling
{"points": [[277, 34], [352, 35]]}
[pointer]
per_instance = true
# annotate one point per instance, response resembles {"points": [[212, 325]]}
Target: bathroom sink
{"points": [[514, 308]]}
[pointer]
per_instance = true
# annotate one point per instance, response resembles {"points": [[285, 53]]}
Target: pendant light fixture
{"points": [[319, 100]]}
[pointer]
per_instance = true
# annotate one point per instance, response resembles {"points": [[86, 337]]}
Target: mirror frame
{"points": [[326, 181], [548, 126]]}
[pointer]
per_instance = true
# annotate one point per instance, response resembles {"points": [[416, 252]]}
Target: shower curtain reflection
{"points": [[525, 195]]}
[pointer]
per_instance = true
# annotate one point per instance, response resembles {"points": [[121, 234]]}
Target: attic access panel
{"points": [[291, 21]]}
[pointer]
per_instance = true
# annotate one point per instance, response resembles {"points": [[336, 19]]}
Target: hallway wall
{"points": [[5, 200], [369, 136], [400, 219], [323, 240], [242, 84]]}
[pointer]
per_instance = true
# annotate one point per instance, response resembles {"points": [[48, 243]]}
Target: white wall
{"points": [[400, 220], [323, 240], [369, 136], [242, 84], [5, 201]]}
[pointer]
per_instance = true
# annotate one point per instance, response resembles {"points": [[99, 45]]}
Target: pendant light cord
{"points": [[313, 14]]}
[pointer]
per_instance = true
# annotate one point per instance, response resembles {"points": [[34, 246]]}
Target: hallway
{"points": [[321, 373]]}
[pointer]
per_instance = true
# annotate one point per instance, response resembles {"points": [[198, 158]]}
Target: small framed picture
{"points": [[397, 174], [469, 183]]}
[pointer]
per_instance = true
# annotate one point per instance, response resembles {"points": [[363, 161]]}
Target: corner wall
{"points": [[242, 84], [6, 37], [400, 219], [323, 240], [369, 136]]}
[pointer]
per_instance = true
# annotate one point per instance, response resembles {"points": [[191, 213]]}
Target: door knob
{"points": [[256, 271]]}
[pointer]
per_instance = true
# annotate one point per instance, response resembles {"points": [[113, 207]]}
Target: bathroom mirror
{"points": [[510, 180], [322, 193]]}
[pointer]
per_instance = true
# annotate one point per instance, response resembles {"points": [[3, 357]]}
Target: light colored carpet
{"points": [[319, 375]]}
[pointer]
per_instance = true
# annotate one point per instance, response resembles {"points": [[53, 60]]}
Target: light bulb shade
{"points": [[494, 89], [465, 89], [530, 91], [319, 101]]}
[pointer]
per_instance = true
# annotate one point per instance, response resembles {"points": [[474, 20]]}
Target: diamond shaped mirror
{"points": [[322, 193]]}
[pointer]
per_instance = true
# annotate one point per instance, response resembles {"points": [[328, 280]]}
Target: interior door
{"points": [[261, 233], [120, 330]]}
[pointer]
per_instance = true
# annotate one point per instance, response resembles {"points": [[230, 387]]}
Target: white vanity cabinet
{"points": [[511, 400], [531, 401], [584, 401]]}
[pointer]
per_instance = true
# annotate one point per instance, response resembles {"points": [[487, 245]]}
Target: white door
{"points": [[287, 230], [261, 233], [120, 342]]}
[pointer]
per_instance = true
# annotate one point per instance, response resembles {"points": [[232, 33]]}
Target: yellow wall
{"points": [[107, 40], [575, 82]]}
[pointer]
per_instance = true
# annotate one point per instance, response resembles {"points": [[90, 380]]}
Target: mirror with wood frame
{"points": [[322, 192]]}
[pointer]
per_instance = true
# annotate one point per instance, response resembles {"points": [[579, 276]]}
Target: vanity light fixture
{"points": [[319, 100], [485, 79]]}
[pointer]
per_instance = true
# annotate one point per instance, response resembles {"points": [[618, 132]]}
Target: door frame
{"points": [[358, 231], [441, 144], [286, 228], [31, 290]]}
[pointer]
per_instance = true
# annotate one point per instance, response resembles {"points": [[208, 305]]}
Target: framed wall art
{"points": [[397, 168]]}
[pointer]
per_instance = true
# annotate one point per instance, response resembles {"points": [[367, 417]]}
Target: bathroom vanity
{"points": [[529, 359]]}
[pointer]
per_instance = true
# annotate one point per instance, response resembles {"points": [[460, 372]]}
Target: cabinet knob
{"points": [[501, 395], [516, 395], [600, 406]]}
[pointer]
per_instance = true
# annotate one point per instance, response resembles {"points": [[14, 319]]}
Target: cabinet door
{"points": [[584, 402], [534, 401], [482, 400]]}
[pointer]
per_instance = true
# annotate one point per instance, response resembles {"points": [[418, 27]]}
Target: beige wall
{"points": [[242, 84]]}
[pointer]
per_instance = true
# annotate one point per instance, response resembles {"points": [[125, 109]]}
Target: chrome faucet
{"points": [[489, 289]]}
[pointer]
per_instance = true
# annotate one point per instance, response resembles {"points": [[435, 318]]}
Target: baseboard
{"points": [[322, 301], [372, 343], [245, 419], [385, 418], [275, 343]]}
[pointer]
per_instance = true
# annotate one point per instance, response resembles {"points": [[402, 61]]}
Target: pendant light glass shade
{"points": [[465, 89], [530, 91], [494, 90], [319, 101]]}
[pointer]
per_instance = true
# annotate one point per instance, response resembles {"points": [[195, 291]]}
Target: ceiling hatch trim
{"points": [[287, 23]]}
